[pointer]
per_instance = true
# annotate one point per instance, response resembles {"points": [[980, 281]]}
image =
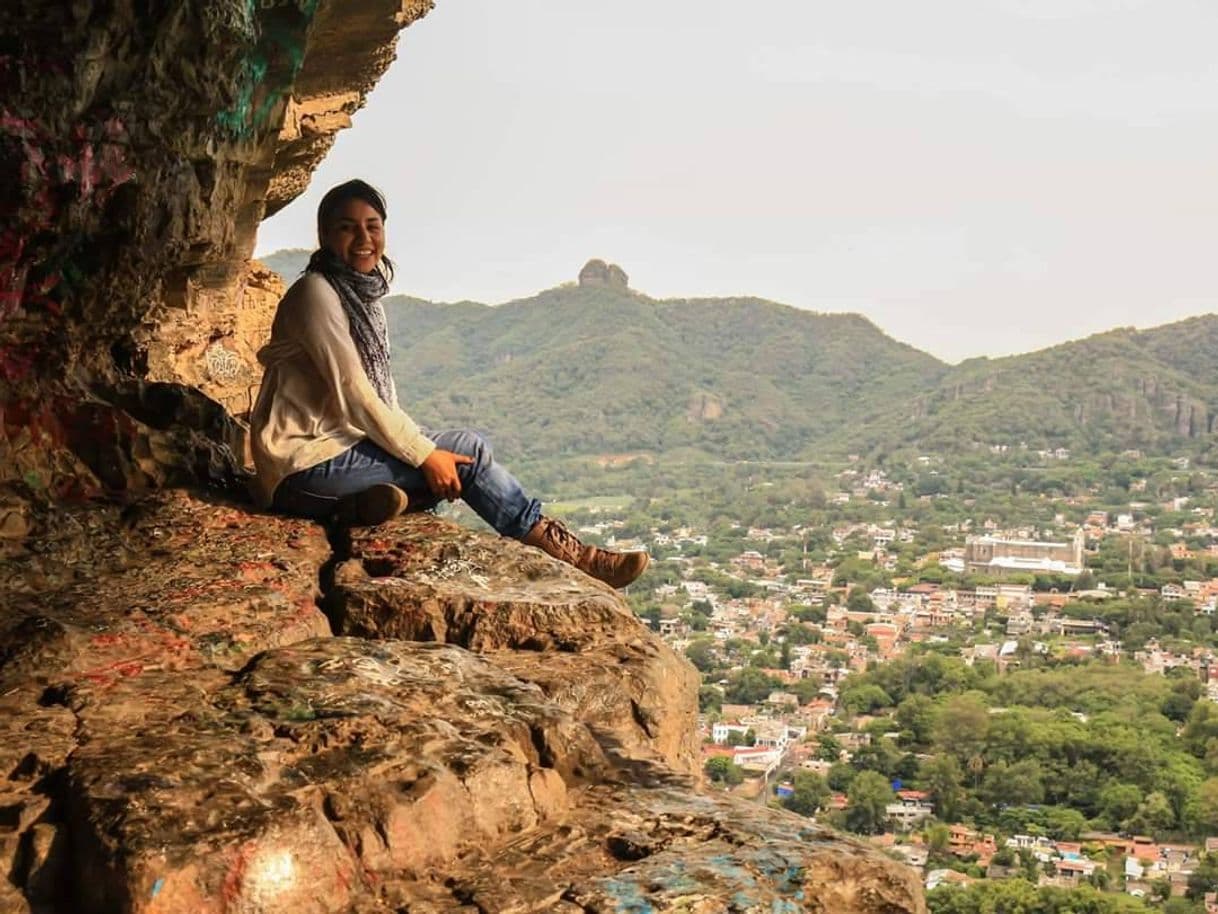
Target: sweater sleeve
{"points": [[319, 324]]}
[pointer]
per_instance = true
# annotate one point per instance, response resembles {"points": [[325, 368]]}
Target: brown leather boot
{"points": [[375, 505], [617, 569]]}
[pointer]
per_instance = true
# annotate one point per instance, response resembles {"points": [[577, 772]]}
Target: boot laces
{"points": [[564, 540]]}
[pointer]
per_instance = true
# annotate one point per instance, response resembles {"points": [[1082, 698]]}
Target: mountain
{"points": [[597, 368], [1151, 389], [594, 370], [288, 263]]}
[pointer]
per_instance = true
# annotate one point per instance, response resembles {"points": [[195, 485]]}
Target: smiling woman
{"points": [[353, 228], [329, 438]]}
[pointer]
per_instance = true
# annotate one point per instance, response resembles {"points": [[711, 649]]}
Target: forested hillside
{"points": [[596, 370], [592, 370], [1123, 389]]}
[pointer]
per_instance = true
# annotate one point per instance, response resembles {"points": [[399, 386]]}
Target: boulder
{"points": [[434, 581]]}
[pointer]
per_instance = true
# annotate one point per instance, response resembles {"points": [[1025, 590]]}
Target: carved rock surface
{"points": [[191, 738], [432, 581], [170, 583]]}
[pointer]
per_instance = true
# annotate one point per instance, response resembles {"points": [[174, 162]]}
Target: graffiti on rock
{"points": [[58, 177], [223, 365], [267, 73]]}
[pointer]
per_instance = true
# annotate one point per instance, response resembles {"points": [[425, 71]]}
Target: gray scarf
{"points": [[360, 294]]}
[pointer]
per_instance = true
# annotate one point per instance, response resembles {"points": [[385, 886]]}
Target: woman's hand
{"points": [[440, 471]]}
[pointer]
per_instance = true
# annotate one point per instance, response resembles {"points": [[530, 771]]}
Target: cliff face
{"points": [[208, 710], [150, 141]]}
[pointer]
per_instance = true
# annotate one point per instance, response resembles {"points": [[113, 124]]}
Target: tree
{"points": [[916, 717], [864, 699], [1101, 879], [962, 726], [878, 755], [859, 601], [652, 615], [1153, 816], [723, 770], [1204, 807], [736, 738], [867, 802], [938, 838], [750, 686], [976, 766], [810, 793], [841, 776], [701, 654], [1119, 802], [1160, 890], [1063, 823], [710, 699], [1019, 784], [941, 776], [828, 749], [1204, 878], [1177, 706]]}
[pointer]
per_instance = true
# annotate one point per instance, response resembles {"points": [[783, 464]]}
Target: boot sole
{"points": [[373, 506], [627, 576]]}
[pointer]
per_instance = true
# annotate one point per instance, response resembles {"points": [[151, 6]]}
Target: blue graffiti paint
{"points": [[627, 897], [675, 877]]}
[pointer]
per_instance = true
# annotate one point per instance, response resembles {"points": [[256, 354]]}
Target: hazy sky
{"points": [[975, 176]]}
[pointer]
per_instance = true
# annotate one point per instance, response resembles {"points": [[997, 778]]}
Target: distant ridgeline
{"points": [[596, 368]]}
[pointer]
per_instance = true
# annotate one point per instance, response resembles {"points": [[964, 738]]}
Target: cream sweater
{"points": [[316, 401]]}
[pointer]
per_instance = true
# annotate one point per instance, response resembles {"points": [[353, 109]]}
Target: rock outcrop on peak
{"points": [[180, 731], [598, 273]]}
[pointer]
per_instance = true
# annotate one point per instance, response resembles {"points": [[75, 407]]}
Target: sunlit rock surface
{"points": [[431, 582], [180, 731]]}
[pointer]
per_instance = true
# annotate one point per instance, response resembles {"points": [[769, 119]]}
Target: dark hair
{"points": [[354, 189]]}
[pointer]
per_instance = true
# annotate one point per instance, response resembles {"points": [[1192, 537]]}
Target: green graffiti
{"points": [[267, 73], [238, 119]]}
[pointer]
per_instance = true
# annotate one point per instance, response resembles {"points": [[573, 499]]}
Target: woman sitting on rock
{"points": [[329, 439]]}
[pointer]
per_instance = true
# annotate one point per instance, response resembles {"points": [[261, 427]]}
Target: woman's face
{"points": [[356, 234]]}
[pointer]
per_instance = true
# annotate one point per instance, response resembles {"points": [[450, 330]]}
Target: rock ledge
{"points": [[488, 731]]}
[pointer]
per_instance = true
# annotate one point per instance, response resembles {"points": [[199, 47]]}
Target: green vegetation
{"points": [[1110, 392], [723, 770], [1052, 751], [599, 371], [571, 383], [1015, 896]]}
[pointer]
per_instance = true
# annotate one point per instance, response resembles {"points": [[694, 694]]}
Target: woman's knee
{"points": [[471, 444]]}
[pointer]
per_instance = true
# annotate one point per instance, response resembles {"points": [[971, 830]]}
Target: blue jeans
{"points": [[492, 492]]}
